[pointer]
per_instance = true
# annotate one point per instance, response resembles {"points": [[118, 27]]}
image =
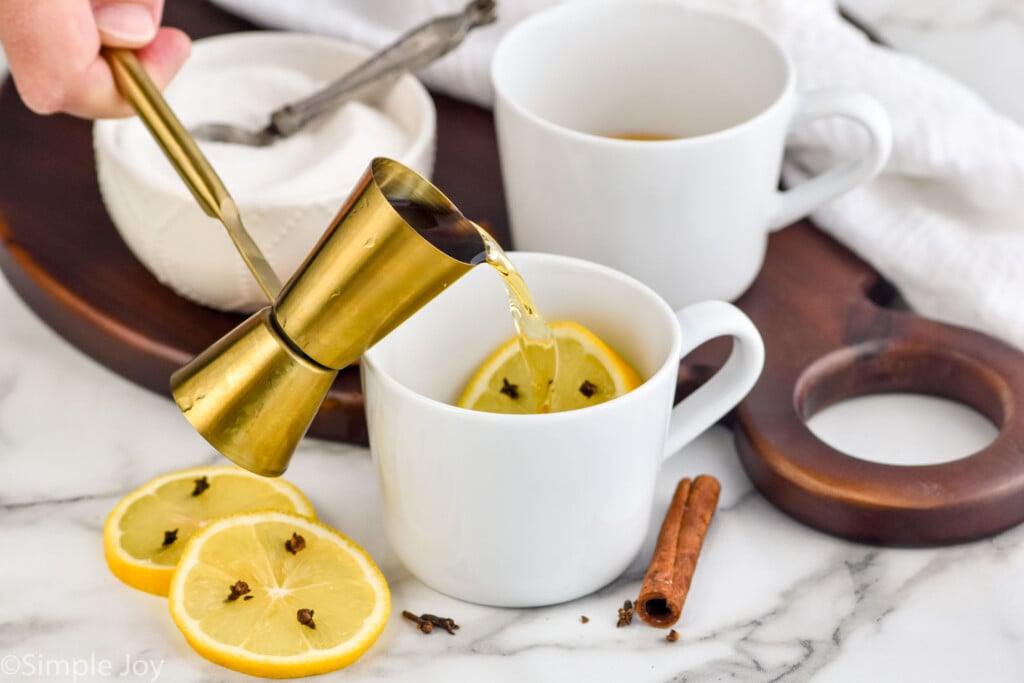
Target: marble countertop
{"points": [[772, 600]]}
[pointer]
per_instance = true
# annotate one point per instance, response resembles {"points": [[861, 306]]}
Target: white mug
{"points": [[528, 510], [688, 215]]}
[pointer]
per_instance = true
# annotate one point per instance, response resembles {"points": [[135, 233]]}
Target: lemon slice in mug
{"points": [[278, 595], [145, 533], [589, 372]]}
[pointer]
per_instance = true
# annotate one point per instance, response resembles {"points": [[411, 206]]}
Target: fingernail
{"points": [[126, 22]]}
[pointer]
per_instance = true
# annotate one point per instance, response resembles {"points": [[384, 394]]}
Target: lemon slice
{"points": [[297, 613], [589, 373], [145, 533]]}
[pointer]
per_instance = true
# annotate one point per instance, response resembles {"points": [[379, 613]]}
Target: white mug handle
{"points": [[699, 323], [803, 199]]}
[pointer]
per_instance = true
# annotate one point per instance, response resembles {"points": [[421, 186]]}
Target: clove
{"points": [[509, 389], [201, 485], [427, 622], [625, 614], [239, 589], [295, 543], [305, 617]]}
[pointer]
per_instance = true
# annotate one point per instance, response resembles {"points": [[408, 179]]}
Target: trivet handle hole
{"points": [[916, 405], [892, 366], [949, 502], [903, 429]]}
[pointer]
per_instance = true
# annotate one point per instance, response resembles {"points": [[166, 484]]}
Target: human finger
{"points": [[127, 23], [53, 49], [98, 96]]}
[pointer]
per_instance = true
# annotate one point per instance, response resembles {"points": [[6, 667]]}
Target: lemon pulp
{"points": [[146, 532], [589, 372], [261, 631]]}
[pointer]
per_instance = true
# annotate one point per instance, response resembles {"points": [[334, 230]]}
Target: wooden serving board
{"points": [[820, 309]]}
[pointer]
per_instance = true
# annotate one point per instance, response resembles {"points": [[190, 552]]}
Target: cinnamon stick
{"points": [[668, 578]]}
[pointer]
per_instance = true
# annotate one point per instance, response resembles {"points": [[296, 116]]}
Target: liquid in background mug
{"points": [[586, 94], [529, 510]]}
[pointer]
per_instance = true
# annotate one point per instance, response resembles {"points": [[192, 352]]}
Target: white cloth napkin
{"points": [[942, 221]]}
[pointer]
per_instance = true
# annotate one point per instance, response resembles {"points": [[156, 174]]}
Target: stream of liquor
{"points": [[536, 341], [460, 238]]}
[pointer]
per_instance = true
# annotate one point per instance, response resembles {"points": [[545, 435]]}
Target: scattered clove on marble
{"points": [[427, 622], [584, 619], [625, 614]]}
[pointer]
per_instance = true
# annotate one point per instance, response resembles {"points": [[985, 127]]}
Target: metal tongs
{"points": [[412, 51], [187, 159]]}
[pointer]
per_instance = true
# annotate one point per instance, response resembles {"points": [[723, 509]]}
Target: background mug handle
{"points": [[699, 323], [804, 198]]}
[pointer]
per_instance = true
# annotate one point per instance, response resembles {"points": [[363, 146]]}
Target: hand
{"points": [[53, 51]]}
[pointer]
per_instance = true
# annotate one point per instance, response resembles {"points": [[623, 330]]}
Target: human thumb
{"points": [[130, 24]]}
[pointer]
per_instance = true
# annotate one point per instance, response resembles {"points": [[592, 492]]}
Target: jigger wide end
{"points": [[251, 395], [396, 244]]}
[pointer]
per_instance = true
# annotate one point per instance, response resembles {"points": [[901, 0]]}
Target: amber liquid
{"points": [[460, 238], [445, 228], [536, 341], [643, 136]]}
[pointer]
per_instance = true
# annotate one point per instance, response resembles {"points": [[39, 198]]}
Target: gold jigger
{"points": [[396, 244]]}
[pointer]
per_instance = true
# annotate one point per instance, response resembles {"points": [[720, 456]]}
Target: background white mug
{"points": [[689, 215], [527, 510]]}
